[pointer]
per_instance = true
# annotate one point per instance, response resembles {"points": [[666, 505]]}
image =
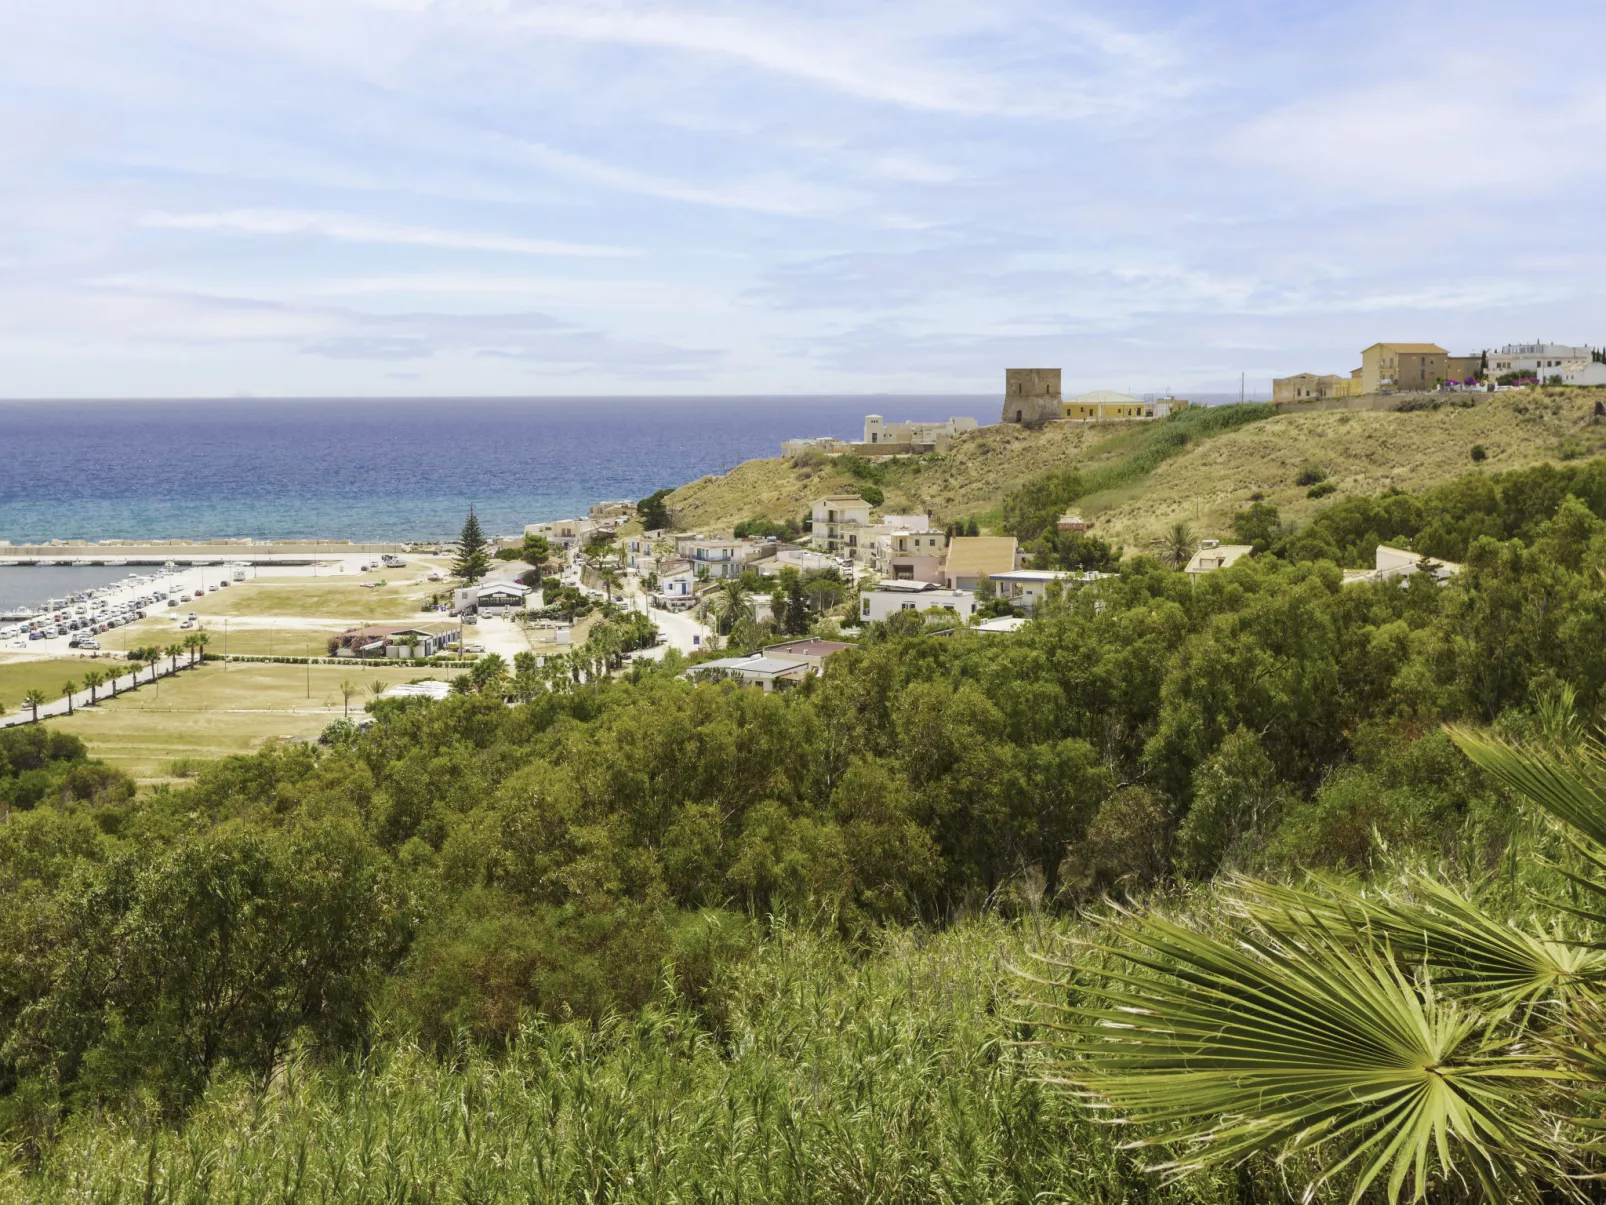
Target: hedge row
{"points": [[408, 662]]}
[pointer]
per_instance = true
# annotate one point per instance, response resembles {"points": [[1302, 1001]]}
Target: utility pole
{"points": [[1241, 377]]}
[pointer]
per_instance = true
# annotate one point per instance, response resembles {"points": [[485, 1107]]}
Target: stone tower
{"points": [[1031, 395]]}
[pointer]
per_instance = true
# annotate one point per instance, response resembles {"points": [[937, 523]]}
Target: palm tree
{"points": [[347, 689], [1177, 545], [175, 651], [93, 679], [610, 580], [34, 700], [1406, 1040], [377, 687], [67, 689], [730, 603]]}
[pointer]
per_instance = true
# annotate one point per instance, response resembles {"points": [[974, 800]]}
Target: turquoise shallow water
{"points": [[383, 470]]}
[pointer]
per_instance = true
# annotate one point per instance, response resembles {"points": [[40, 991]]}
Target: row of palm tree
{"points": [[1413, 1039], [93, 679]]}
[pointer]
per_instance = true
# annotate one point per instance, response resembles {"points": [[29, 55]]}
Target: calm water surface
{"points": [[383, 470]]}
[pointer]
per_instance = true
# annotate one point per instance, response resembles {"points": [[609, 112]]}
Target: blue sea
{"points": [[384, 469]]}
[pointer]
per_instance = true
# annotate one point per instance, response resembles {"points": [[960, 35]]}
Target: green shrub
{"points": [[1310, 474], [1321, 489]]}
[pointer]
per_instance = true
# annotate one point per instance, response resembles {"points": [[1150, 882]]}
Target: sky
{"points": [[517, 197]]}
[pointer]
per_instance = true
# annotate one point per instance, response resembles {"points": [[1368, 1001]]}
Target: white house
{"points": [[889, 598], [1213, 555], [565, 533], [677, 585], [756, 669], [495, 598], [1025, 588], [1392, 564], [1543, 360], [719, 558], [878, 431], [1583, 372], [801, 559]]}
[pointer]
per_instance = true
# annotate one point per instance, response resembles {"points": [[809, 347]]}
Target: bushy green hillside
{"points": [[1134, 494], [640, 940]]}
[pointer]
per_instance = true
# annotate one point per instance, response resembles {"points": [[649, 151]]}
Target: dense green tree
{"points": [[471, 557], [653, 512]]}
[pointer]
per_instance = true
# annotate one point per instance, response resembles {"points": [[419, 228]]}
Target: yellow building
{"points": [[1103, 404], [1391, 367]]}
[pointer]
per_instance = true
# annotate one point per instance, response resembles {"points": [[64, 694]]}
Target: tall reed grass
{"points": [[823, 1076]]}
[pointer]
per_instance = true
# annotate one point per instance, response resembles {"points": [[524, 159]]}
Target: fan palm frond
{"points": [[1569, 785], [1484, 958], [1297, 1037]]}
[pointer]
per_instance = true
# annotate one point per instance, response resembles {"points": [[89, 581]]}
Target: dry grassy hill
{"points": [[1361, 451]]}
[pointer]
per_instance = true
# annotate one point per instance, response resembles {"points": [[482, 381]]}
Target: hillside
{"points": [[1361, 451]]}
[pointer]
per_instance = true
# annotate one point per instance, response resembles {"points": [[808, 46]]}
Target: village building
{"points": [[1403, 366], [1542, 360], [813, 653], [1213, 555], [916, 436], [720, 558], [889, 598], [394, 641], [838, 522], [1025, 588], [1583, 372], [566, 533], [1104, 405], [778, 667], [677, 585], [430, 688], [493, 598], [788, 556], [602, 512], [1003, 625], [755, 669], [906, 538], [971, 558], [1071, 522], [1315, 387], [1391, 564]]}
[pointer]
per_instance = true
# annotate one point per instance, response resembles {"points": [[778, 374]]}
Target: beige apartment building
{"points": [[1315, 387], [1393, 367], [839, 522], [1385, 368]]}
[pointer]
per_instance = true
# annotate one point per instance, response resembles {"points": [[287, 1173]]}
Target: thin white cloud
{"points": [[340, 228], [776, 192]]}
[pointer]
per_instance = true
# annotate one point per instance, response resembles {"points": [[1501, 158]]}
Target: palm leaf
{"points": [[1297, 1037], [1483, 958], [1569, 785]]}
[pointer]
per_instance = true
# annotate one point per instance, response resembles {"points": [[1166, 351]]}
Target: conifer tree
{"points": [[473, 558]]}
